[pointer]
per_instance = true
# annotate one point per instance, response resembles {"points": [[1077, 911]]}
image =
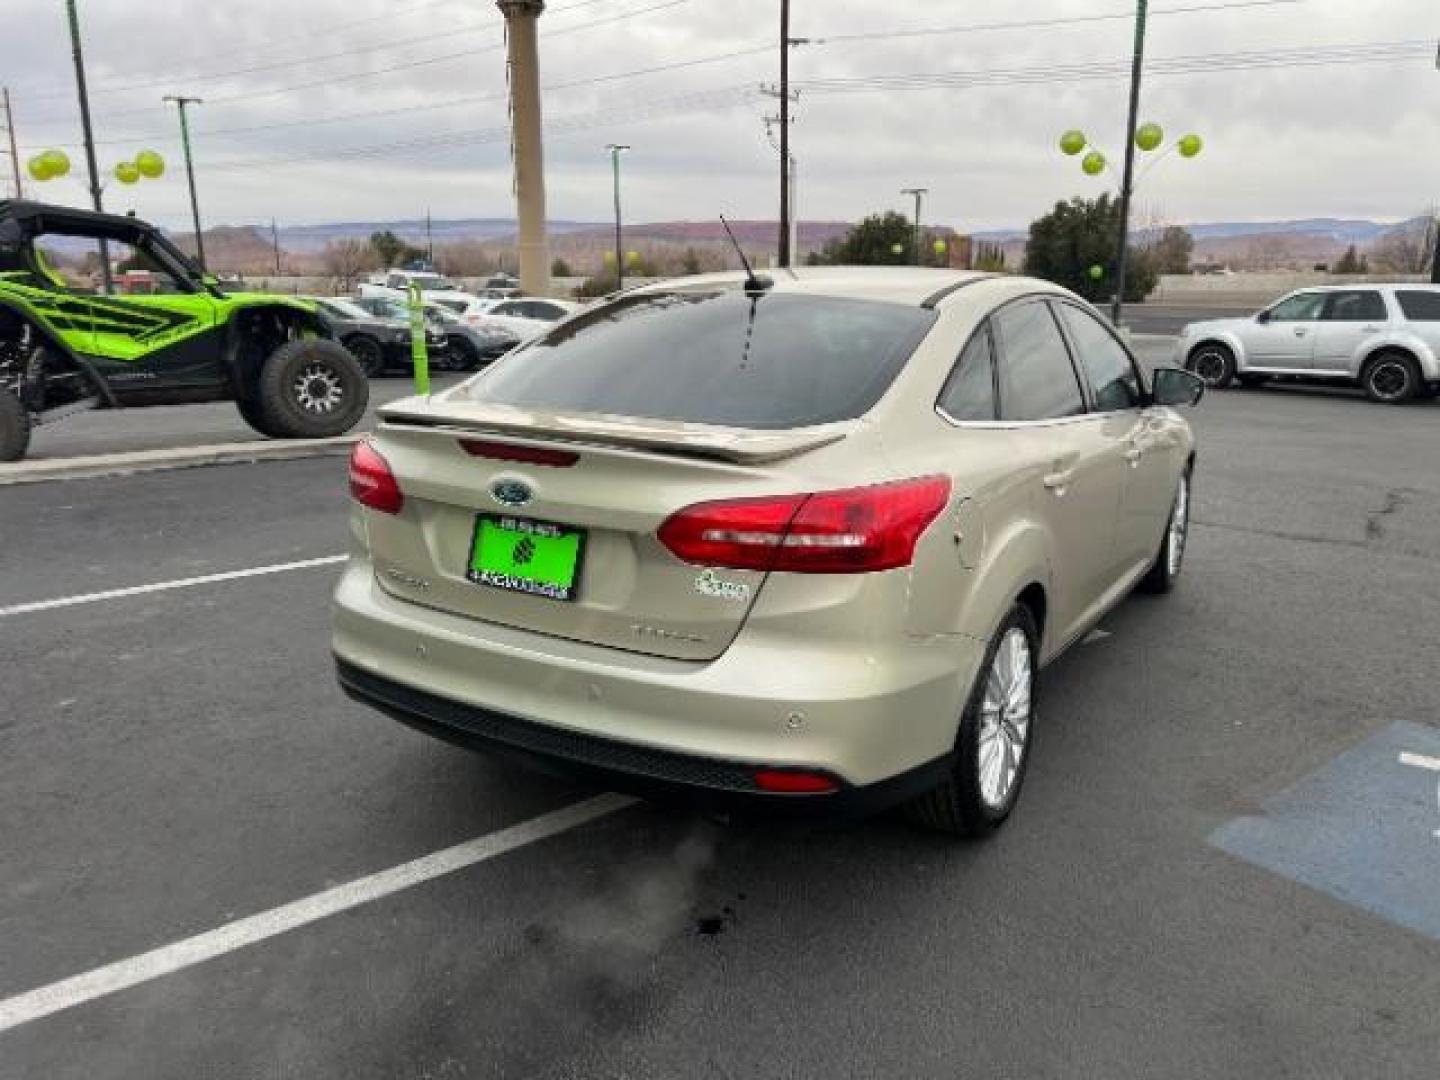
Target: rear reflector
{"points": [[853, 531], [795, 782], [372, 483], [528, 455]]}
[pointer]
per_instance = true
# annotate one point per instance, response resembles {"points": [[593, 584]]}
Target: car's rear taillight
{"points": [[372, 483], [853, 531]]}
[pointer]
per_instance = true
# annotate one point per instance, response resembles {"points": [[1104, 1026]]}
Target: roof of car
{"points": [[915, 285], [1353, 285], [59, 218]]}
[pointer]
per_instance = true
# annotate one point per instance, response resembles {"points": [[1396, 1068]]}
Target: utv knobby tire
{"points": [[253, 415], [311, 389], [14, 427]]}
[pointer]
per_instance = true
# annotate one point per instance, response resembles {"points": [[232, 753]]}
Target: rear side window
{"points": [[1419, 305], [1037, 380], [779, 361], [970, 393], [1106, 363], [1361, 305]]}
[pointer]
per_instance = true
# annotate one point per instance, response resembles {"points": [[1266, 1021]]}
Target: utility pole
{"points": [[73, 19], [616, 149], [275, 244], [1128, 183], [14, 152], [180, 103], [521, 17], [429, 241], [784, 133], [919, 193]]}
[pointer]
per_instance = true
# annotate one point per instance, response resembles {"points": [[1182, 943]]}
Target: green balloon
{"points": [[1149, 136], [1096, 273], [126, 172], [38, 168], [632, 256], [941, 247], [897, 249], [57, 162], [1072, 142], [1191, 145], [1093, 163], [150, 164]]}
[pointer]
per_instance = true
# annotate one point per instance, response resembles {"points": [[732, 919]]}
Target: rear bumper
{"points": [[866, 713], [647, 772]]}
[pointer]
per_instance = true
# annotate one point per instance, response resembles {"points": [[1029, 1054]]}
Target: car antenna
{"points": [[754, 285]]}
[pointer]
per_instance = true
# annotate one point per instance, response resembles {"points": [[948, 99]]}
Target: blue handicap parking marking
{"points": [[1364, 828]]}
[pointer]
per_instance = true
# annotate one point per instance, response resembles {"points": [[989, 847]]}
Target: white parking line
{"points": [[164, 586], [111, 978], [1420, 761]]}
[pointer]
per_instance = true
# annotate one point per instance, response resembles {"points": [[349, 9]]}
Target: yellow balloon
{"points": [[150, 164], [38, 168], [1093, 163], [57, 162], [126, 172], [632, 256], [1191, 145], [1072, 142], [1149, 136], [941, 247]]}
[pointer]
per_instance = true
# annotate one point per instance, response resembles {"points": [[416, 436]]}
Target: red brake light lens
{"points": [[795, 782], [857, 530], [372, 483], [527, 455]]}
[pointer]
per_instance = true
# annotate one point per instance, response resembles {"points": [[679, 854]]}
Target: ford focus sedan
{"points": [[803, 543]]}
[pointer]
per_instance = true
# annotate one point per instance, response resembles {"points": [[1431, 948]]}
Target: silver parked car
{"points": [[1386, 338], [805, 541]]}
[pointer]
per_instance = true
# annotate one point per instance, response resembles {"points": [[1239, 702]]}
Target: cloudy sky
{"points": [[324, 110]]}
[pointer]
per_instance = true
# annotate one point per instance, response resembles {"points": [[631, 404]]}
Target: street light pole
{"points": [[73, 18], [919, 193], [616, 149], [784, 251], [1126, 185], [14, 152], [180, 103]]}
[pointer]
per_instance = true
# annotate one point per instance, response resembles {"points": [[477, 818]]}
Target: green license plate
{"points": [[521, 555]]}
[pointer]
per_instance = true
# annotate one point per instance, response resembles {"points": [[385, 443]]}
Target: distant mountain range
{"points": [[1340, 230]]}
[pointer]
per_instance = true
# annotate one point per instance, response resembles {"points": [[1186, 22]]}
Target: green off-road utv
{"points": [[64, 350]]}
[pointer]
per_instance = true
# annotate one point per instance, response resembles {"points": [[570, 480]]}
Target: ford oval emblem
{"points": [[510, 492]]}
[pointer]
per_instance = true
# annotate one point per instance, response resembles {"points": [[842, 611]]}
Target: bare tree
{"points": [[346, 260], [1409, 247]]}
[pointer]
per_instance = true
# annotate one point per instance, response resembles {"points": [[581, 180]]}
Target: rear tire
{"points": [[992, 748], [368, 353], [1391, 378], [253, 415], [463, 355], [14, 427], [311, 389], [1214, 363]]}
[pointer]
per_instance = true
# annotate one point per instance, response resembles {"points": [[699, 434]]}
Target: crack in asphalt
{"points": [[1395, 498]]}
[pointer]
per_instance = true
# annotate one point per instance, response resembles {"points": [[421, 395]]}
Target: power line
{"points": [[201, 76], [726, 97], [1043, 24], [409, 65], [449, 103]]}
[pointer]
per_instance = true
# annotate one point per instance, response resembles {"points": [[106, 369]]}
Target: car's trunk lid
{"points": [[628, 476]]}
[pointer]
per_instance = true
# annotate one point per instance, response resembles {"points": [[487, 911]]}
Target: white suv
{"points": [[1386, 338]]}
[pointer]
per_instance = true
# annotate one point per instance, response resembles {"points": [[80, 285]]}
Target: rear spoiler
{"points": [[743, 446]]}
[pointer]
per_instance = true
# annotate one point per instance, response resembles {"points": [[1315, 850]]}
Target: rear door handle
{"points": [[1299, 331], [1134, 454], [1371, 329], [1059, 481]]}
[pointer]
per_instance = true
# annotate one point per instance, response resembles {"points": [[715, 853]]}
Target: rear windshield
{"points": [[778, 361]]}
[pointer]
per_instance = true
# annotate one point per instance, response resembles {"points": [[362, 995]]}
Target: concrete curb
{"points": [[180, 457]]}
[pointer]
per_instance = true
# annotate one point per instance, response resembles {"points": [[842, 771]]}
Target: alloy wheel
{"points": [[318, 389], [1389, 380], [1179, 527], [1005, 718]]}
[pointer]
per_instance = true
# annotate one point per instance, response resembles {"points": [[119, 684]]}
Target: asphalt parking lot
{"points": [[1177, 894]]}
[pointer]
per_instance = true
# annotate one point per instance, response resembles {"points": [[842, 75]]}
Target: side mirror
{"points": [[1263, 317], [1172, 386]]}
